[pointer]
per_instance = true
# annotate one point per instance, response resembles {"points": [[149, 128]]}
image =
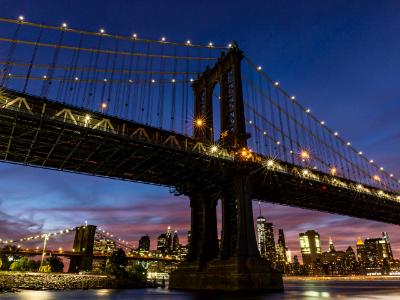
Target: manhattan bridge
{"points": [[203, 120]]}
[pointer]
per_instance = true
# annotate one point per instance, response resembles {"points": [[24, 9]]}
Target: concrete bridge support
{"points": [[83, 247], [237, 265]]}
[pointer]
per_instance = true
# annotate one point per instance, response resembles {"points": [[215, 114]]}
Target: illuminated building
{"points": [[144, 243], [281, 252], [168, 240], [266, 242], [310, 247], [360, 251], [333, 261], [162, 244], [331, 246], [175, 242], [103, 246], [378, 249], [261, 235]]}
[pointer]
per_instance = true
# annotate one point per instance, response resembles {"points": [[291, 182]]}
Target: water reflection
{"points": [[294, 290]]}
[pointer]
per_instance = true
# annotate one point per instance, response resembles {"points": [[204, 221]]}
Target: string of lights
{"points": [[104, 80], [103, 51], [40, 236], [65, 27]]}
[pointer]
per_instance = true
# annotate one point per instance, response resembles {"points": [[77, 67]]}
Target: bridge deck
{"points": [[48, 134]]}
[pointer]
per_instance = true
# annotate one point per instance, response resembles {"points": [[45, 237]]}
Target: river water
{"points": [[298, 290]]}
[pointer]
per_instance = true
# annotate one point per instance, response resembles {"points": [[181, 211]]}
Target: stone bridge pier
{"points": [[236, 264]]}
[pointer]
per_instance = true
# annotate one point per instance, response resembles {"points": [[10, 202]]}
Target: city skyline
{"points": [[325, 67]]}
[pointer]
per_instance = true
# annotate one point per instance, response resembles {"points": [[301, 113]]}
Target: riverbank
{"points": [[11, 281], [341, 278]]}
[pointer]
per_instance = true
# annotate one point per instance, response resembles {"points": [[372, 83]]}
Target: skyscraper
{"points": [[144, 243], [331, 246], [175, 242], [310, 246], [281, 238], [261, 235], [266, 241], [385, 237], [162, 243], [281, 252], [168, 240], [360, 251], [377, 249]]}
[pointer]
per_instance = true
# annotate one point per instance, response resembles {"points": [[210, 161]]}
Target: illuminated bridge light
{"points": [[213, 148], [199, 122], [64, 25], [333, 171], [276, 83], [376, 178], [359, 186], [348, 144], [21, 18], [322, 122], [259, 68], [270, 163], [305, 172], [336, 133], [304, 155]]}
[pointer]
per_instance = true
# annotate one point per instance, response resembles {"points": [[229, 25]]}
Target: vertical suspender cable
{"points": [[35, 49]]}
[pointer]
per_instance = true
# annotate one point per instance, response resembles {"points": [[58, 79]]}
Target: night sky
{"points": [[340, 58]]}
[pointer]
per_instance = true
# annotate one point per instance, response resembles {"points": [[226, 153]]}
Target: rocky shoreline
{"points": [[13, 281]]}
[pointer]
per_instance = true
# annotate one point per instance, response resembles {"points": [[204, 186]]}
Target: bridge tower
{"points": [[227, 74], [83, 248], [236, 264]]}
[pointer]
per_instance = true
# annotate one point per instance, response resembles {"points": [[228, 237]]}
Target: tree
{"points": [[55, 263], [137, 273], [20, 265], [33, 265], [116, 264]]}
